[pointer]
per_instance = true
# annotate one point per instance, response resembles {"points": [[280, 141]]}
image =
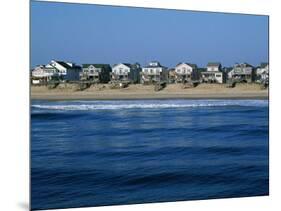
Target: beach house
{"points": [[262, 73], [154, 72], [186, 72], [241, 73], [67, 71], [171, 75], [97, 73], [42, 74], [55, 70], [213, 73], [125, 72]]}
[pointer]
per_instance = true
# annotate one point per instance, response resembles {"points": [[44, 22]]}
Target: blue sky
{"points": [[85, 33]]}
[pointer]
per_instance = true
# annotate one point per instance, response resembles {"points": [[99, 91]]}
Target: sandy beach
{"points": [[138, 91]]}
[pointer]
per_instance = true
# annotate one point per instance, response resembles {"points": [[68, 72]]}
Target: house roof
{"points": [[96, 65], [45, 67], [127, 64], [213, 64], [156, 64], [191, 65], [64, 64], [246, 65]]}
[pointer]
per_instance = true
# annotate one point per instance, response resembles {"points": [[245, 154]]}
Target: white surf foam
{"points": [[116, 105]]}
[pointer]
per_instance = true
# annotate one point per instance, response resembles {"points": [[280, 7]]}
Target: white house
{"points": [[42, 74], [214, 73], [242, 72], [154, 72], [185, 72], [262, 73], [126, 72]]}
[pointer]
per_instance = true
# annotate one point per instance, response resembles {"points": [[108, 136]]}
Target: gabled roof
{"points": [[64, 64], [126, 64], [213, 64], [132, 66], [189, 64], [248, 65], [96, 65]]}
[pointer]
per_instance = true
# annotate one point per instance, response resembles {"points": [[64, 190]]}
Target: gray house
{"points": [[242, 72], [67, 71], [154, 72], [186, 72], [126, 72], [98, 73], [213, 73]]}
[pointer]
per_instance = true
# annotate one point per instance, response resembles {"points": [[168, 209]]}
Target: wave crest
{"points": [[117, 105]]}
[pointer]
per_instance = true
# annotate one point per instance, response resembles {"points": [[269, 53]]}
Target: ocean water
{"points": [[95, 153]]}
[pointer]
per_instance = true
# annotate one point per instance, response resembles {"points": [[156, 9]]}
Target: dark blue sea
{"points": [[95, 153]]}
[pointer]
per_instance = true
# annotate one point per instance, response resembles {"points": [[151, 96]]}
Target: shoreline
{"points": [[146, 96]]}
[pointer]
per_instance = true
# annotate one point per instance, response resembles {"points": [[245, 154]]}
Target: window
{"points": [[218, 75]]}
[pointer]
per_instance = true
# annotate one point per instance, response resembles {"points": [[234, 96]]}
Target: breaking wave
{"points": [[160, 104]]}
